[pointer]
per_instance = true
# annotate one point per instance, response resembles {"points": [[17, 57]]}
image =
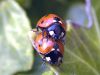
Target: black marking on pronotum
{"points": [[57, 19]]}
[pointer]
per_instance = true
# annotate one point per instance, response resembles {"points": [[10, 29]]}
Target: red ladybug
{"points": [[51, 50], [53, 25]]}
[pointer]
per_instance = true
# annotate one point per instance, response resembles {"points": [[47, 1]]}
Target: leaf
{"points": [[15, 48], [82, 51]]}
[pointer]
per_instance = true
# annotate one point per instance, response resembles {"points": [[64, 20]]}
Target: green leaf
{"points": [[15, 48], [82, 50]]}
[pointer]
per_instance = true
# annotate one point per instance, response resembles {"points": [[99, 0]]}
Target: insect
{"points": [[53, 25], [52, 51]]}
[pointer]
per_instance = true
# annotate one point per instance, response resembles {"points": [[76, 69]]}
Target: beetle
{"points": [[52, 51], [53, 25]]}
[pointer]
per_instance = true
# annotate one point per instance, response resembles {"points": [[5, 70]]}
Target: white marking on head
{"points": [[52, 49], [54, 21], [58, 50], [60, 22], [48, 59], [51, 32]]}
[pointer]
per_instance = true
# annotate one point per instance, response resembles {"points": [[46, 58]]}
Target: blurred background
{"points": [[82, 51], [35, 9]]}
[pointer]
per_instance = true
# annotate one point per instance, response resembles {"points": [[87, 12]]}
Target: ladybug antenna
{"points": [[43, 64]]}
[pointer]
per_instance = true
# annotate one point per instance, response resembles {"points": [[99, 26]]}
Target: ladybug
{"points": [[53, 25], [52, 51]]}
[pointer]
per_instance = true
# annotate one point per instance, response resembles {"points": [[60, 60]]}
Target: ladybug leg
{"points": [[43, 64]]}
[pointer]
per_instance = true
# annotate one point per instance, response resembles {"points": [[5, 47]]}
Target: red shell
{"points": [[47, 20], [44, 45]]}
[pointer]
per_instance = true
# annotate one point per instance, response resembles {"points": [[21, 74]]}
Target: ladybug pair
{"points": [[49, 41]]}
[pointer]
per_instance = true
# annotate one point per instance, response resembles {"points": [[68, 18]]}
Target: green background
{"points": [[18, 17]]}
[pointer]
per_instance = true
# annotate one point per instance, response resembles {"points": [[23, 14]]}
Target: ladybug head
{"points": [[54, 57], [56, 31]]}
